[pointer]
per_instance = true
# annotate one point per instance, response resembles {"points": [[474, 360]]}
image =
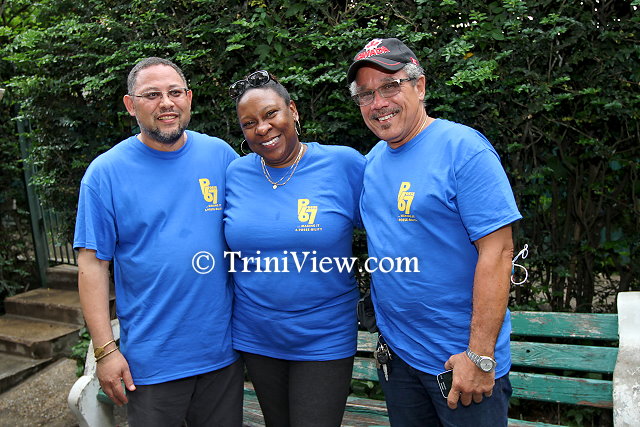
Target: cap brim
{"points": [[384, 63]]}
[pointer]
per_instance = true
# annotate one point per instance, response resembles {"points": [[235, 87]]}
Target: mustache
{"points": [[177, 113], [382, 113], [164, 110]]}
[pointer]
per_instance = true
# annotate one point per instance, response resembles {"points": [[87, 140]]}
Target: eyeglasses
{"points": [[257, 79], [387, 90], [155, 95]]}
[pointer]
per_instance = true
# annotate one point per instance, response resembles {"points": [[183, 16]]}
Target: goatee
{"points": [[166, 138]]}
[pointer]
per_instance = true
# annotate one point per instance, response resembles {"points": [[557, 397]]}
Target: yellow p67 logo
{"points": [[405, 198], [210, 192], [306, 213]]}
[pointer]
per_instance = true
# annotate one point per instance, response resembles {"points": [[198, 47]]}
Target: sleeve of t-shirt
{"points": [[229, 152], [380, 145], [95, 227], [484, 196], [356, 181]]}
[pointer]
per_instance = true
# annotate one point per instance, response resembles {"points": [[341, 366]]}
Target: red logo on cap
{"points": [[372, 49], [373, 44]]}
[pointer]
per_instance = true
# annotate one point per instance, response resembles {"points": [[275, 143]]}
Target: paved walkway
{"points": [[41, 400]]}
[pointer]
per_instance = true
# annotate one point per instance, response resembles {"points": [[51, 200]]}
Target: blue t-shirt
{"points": [[158, 215], [430, 199], [291, 309]]}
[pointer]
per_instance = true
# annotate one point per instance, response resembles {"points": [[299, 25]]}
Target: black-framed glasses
{"points": [[257, 79], [387, 90], [154, 95]]}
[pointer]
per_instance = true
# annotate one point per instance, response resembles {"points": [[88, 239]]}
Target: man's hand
{"points": [[469, 382], [110, 371], [93, 286]]}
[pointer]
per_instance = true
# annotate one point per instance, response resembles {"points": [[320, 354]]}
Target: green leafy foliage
{"points": [[16, 261], [80, 349], [554, 86]]}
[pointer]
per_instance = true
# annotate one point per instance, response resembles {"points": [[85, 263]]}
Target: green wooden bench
{"points": [[582, 359], [588, 360], [555, 357], [552, 363]]}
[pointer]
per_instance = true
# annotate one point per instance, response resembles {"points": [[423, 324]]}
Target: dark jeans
{"points": [[414, 400], [211, 399], [298, 393]]}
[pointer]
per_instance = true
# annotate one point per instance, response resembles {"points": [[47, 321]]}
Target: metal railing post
{"points": [[35, 210]]}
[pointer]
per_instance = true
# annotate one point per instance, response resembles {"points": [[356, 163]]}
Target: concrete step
{"points": [[14, 369], [47, 304], [38, 339], [63, 276]]}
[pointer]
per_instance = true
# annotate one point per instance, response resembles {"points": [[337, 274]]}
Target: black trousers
{"points": [[211, 399], [300, 393]]}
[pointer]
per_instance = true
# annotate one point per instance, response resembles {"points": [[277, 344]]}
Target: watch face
{"points": [[486, 364]]}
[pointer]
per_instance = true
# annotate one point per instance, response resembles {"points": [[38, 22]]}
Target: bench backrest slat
{"points": [[538, 355], [367, 341], [551, 388], [364, 369], [574, 325], [564, 356]]}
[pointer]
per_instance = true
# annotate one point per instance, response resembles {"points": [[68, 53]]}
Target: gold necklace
{"points": [[290, 172]]}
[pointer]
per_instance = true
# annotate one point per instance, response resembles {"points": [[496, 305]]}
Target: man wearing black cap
{"points": [[434, 191]]}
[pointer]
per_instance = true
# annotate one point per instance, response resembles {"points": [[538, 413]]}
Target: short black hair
{"points": [[148, 62], [273, 84]]}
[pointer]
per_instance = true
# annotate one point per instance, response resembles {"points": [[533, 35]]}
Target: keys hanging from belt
{"points": [[382, 354]]}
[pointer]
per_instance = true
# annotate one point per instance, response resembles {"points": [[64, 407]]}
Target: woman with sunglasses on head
{"points": [[289, 217]]}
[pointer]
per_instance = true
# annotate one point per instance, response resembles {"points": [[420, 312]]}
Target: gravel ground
{"points": [[41, 400]]}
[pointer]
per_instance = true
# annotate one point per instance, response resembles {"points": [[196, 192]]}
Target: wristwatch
{"points": [[485, 363]]}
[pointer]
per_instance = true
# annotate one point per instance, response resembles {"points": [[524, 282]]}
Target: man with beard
{"points": [[153, 205], [434, 191]]}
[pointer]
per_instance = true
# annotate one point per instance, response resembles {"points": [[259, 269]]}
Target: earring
{"points": [[296, 125], [243, 152]]}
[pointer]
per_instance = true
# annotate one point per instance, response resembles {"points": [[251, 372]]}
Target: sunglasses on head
{"points": [[257, 79]]}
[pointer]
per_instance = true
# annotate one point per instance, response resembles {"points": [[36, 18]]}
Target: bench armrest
{"points": [[83, 397], [626, 376]]}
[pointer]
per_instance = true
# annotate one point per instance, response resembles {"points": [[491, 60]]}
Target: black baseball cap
{"points": [[389, 54]]}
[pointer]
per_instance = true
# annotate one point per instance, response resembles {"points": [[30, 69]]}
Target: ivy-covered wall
{"points": [[554, 85]]}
